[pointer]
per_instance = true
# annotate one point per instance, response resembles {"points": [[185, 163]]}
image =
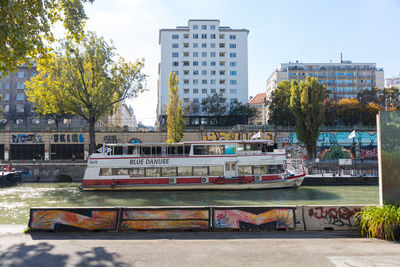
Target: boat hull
{"points": [[114, 184]]}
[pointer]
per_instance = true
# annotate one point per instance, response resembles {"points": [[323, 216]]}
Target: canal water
{"points": [[16, 201]]}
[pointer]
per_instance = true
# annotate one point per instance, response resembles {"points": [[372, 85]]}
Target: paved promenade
{"points": [[194, 249]]}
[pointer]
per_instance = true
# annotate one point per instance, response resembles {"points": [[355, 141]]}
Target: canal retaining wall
{"points": [[203, 218]]}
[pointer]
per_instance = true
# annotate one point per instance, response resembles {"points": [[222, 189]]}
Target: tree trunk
{"points": [[92, 136]]}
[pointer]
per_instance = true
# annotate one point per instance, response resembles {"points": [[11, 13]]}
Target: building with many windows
{"points": [[343, 80], [259, 102], [208, 58], [392, 82]]}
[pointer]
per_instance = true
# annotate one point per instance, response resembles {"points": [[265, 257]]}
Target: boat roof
{"points": [[220, 142]]}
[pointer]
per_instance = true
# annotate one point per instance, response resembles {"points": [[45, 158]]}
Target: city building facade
{"points": [[259, 102], [343, 80], [208, 59], [392, 82]]}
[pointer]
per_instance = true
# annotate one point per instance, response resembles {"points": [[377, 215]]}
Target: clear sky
{"points": [[280, 31]]}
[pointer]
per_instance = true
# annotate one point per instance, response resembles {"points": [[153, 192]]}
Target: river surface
{"points": [[16, 201]]}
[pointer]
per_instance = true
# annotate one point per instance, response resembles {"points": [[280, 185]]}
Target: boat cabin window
{"points": [[185, 171], [245, 170], [200, 171], [136, 172], [153, 172], [168, 171], [262, 169], [216, 170], [105, 172], [122, 171], [211, 150]]}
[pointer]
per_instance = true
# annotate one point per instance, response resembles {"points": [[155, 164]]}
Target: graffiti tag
{"points": [[335, 216], [110, 139], [68, 138], [26, 138]]}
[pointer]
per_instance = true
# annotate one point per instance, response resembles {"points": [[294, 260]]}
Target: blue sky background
{"points": [[280, 31]]}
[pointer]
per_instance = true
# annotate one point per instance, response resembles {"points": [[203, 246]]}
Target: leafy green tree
{"points": [[369, 112], [279, 112], [175, 121], [348, 111], [306, 105], [240, 113], [214, 105], [88, 79], [25, 28]]}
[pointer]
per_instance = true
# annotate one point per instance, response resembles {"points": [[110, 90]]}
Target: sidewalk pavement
{"points": [[328, 248]]}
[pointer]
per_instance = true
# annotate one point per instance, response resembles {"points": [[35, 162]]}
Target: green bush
{"points": [[380, 222]]}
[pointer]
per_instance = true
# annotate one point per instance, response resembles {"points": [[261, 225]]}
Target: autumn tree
{"points": [[369, 112], [306, 104], [25, 28], [175, 121], [88, 78], [279, 112], [348, 111]]}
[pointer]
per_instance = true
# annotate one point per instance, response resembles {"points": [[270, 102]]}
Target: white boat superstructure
{"points": [[233, 164]]}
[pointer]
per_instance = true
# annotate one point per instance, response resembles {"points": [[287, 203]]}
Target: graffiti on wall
{"points": [[68, 138], [110, 139], [74, 219], [26, 138], [259, 218], [134, 141], [334, 216], [220, 135], [164, 219]]}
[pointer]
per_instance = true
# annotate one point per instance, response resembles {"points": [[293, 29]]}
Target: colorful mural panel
{"points": [[389, 125], [221, 135], [253, 218], [74, 219], [165, 219]]}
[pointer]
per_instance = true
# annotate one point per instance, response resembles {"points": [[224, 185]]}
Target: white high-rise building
{"points": [[208, 59]]}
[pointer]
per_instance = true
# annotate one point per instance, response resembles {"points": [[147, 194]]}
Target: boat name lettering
{"points": [[148, 161]]}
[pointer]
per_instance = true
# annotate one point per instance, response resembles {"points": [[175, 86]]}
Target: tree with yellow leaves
{"points": [[175, 121]]}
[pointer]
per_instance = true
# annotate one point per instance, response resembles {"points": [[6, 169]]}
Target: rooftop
{"points": [[258, 99]]}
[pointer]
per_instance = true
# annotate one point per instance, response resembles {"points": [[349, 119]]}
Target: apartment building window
{"points": [[195, 63], [222, 63], [221, 72], [195, 45], [221, 36], [20, 85], [204, 63], [213, 91], [212, 54], [195, 36], [233, 91], [233, 82], [222, 100], [212, 27], [21, 74], [19, 108], [20, 96], [7, 96], [175, 54], [203, 45], [203, 81], [340, 81], [186, 91], [204, 27], [330, 82], [195, 27], [213, 72], [221, 45], [233, 72], [204, 91], [349, 81], [203, 72], [204, 54], [232, 37], [7, 85], [232, 64], [212, 45], [213, 82], [185, 54], [195, 81], [213, 63], [175, 64], [195, 91], [185, 63], [195, 54], [232, 55], [186, 36], [349, 75], [221, 54], [204, 36], [19, 121], [6, 108], [195, 72], [233, 99], [175, 36], [212, 36], [368, 81], [340, 74], [186, 100], [232, 45], [185, 81], [175, 45], [35, 121], [195, 100], [221, 81]]}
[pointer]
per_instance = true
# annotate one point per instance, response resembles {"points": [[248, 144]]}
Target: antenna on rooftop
{"points": [[341, 59]]}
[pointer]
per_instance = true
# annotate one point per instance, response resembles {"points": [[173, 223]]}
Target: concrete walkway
{"points": [[194, 249]]}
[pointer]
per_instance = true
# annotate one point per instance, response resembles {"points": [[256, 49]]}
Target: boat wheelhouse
{"points": [[233, 164]]}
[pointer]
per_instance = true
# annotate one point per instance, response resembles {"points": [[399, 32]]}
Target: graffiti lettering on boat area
{"points": [[74, 219], [259, 218], [148, 161], [216, 135], [134, 141], [110, 139], [165, 219], [369, 152], [68, 138], [335, 216], [26, 138]]}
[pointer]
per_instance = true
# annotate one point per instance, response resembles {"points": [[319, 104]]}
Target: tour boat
{"points": [[225, 165]]}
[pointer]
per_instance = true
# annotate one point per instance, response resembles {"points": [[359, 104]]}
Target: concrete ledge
{"points": [[205, 218]]}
